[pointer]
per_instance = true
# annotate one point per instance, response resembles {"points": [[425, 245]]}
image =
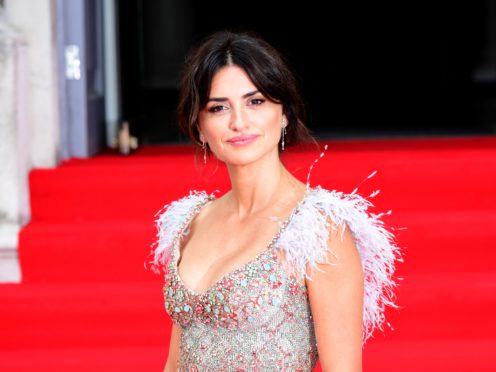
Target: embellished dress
{"points": [[258, 317]]}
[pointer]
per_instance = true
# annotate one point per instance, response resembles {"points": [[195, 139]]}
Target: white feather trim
{"points": [[305, 244], [172, 221]]}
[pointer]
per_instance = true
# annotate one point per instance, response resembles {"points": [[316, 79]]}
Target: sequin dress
{"points": [[258, 317]]}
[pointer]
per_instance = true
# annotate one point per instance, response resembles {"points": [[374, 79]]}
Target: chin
{"points": [[240, 158]]}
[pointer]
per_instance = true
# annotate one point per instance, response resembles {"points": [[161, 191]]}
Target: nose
{"points": [[238, 120]]}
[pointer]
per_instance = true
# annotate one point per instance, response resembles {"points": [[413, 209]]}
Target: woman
{"points": [[274, 274]]}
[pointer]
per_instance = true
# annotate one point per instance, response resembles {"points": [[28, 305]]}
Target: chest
{"points": [[212, 250], [252, 296], [231, 234]]}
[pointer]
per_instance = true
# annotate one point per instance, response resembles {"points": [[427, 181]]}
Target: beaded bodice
{"points": [[255, 318]]}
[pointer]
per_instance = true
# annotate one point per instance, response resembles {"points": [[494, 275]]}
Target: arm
{"points": [[336, 300], [173, 357]]}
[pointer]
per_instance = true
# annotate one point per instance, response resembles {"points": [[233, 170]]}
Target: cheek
{"points": [[270, 125], [207, 129], [213, 134]]}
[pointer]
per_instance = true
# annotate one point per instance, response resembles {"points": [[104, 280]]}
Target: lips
{"points": [[242, 140]]}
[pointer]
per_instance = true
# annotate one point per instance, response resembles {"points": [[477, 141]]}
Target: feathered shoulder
{"points": [[305, 244], [172, 221], [304, 241]]}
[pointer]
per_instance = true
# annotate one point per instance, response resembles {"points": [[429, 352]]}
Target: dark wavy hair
{"points": [[264, 65]]}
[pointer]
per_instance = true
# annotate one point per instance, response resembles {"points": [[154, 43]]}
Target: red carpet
{"points": [[87, 303]]}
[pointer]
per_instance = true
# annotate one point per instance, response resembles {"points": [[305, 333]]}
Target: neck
{"points": [[256, 186]]}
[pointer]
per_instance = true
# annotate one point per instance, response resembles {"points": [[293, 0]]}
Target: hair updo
{"points": [[265, 67]]}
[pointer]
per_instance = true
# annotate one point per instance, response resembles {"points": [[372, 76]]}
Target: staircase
{"points": [[87, 303]]}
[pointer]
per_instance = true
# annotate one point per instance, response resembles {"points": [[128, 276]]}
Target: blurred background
{"points": [[366, 69], [84, 67], [407, 88]]}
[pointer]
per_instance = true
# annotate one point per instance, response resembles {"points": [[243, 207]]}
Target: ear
{"points": [[284, 122], [202, 137]]}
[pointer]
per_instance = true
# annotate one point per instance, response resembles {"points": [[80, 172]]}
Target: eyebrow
{"points": [[222, 99]]}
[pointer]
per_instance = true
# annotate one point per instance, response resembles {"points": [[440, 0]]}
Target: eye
{"points": [[257, 101], [216, 108]]}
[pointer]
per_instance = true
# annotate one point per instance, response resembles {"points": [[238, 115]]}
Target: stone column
{"points": [[14, 163], [29, 123]]}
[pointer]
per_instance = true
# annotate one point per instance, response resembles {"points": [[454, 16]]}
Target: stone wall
{"points": [[28, 114]]}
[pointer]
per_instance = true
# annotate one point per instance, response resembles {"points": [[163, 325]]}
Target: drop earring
{"points": [[283, 135], [204, 148]]}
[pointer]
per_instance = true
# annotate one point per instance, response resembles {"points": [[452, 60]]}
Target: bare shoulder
{"points": [[342, 243], [342, 259], [210, 211]]}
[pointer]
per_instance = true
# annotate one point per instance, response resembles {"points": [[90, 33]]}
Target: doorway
{"points": [[368, 71]]}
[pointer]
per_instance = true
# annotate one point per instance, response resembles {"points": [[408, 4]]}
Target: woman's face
{"points": [[238, 122]]}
